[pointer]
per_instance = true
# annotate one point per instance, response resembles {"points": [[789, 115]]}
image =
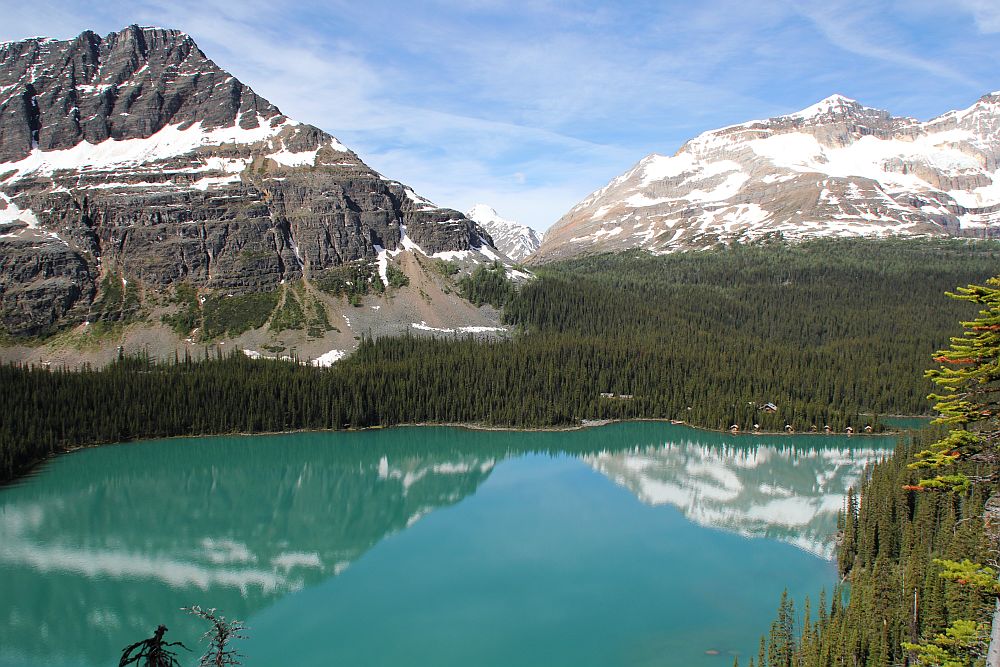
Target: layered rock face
{"points": [[134, 155], [836, 168], [513, 239]]}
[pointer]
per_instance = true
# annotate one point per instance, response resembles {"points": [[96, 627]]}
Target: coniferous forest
{"points": [[891, 552], [918, 545], [832, 332]]}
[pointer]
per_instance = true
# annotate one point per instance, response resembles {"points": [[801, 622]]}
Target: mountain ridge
{"points": [[836, 167], [134, 158]]}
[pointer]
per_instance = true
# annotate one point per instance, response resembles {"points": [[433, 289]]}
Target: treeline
{"points": [[890, 540], [831, 332], [524, 382]]}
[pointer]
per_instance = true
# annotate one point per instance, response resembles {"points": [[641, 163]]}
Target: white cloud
{"points": [[986, 13], [530, 109]]}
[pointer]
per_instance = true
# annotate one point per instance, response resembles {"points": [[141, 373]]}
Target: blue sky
{"points": [[530, 106]]}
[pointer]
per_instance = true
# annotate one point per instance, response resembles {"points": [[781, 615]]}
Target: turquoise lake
{"points": [[630, 544]]}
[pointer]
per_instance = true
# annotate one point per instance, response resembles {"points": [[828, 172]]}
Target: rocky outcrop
{"points": [[135, 155], [837, 168], [128, 85], [513, 239], [41, 282]]}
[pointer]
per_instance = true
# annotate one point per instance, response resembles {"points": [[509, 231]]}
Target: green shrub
{"points": [[232, 315], [188, 315], [396, 276], [289, 316], [116, 300], [444, 267], [348, 279]]}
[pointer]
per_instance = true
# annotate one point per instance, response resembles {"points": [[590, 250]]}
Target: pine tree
{"points": [[970, 405], [971, 402]]}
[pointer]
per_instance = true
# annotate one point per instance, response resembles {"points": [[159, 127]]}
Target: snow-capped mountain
{"points": [[513, 239], [134, 158], [836, 168]]}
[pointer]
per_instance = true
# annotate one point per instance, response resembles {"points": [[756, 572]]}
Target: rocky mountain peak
{"points": [[835, 101], [513, 239], [482, 213], [834, 105], [835, 121], [127, 85], [135, 156], [835, 168]]}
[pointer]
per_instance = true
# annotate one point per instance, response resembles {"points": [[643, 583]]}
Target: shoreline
{"points": [[32, 467]]}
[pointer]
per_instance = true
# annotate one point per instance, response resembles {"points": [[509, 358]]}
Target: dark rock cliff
{"points": [[135, 155]]}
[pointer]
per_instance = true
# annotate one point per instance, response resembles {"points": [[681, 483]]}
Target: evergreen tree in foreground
{"points": [[970, 405]]}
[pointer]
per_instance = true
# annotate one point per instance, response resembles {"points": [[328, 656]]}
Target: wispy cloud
{"points": [[860, 28], [985, 12], [530, 108]]}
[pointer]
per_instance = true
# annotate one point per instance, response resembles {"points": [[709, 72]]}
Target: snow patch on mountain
{"points": [[110, 154], [513, 239], [834, 104], [836, 168]]}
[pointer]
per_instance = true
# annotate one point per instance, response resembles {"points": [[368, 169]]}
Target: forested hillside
{"points": [[831, 333], [831, 326]]}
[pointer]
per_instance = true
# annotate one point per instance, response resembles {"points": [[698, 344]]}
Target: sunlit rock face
{"points": [[135, 154], [172, 527], [837, 168], [786, 493]]}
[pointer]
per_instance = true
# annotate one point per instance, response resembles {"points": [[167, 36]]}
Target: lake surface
{"points": [[907, 423], [630, 544]]}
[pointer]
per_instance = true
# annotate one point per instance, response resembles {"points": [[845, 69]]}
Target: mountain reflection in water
{"points": [[121, 534], [100, 545], [784, 492]]}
